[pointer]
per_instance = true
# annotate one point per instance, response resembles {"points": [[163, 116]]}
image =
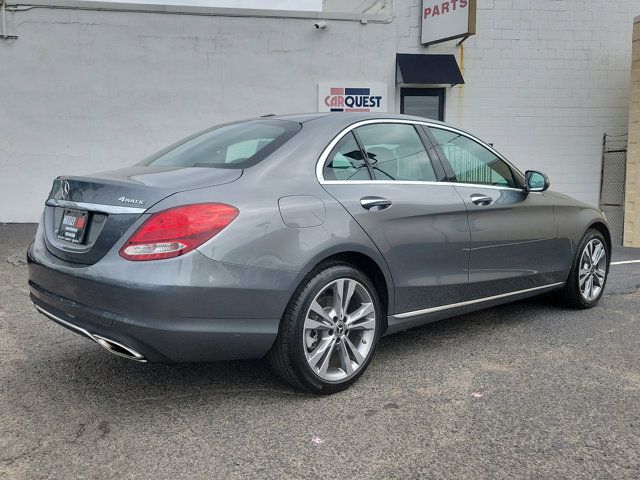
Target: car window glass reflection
{"points": [[228, 146], [346, 161], [396, 152], [471, 162]]}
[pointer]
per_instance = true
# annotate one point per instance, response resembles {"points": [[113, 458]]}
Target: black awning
{"points": [[422, 69]]}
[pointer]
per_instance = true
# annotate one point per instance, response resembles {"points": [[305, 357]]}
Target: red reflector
{"points": [[178, 230]]}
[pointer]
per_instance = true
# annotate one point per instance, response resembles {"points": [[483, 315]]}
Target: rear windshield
{"points": [[235, 145]]}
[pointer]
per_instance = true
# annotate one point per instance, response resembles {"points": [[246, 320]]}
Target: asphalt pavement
{"points": [[526, 390]]}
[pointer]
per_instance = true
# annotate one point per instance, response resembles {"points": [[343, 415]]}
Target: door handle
{"points": [[375, 203], [482, 200]]}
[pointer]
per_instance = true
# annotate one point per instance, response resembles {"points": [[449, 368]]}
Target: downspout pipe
{"points": [[3, 22], [3, 15]]}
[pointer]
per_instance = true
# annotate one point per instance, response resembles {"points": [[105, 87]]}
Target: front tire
{"points": [[588, 275], [330, 330]]}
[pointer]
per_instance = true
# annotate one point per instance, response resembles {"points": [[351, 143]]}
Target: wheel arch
{"points": [[375, 268], [604, 230]]}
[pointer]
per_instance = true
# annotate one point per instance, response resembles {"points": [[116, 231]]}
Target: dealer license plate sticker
{"points": [[73, 225]]}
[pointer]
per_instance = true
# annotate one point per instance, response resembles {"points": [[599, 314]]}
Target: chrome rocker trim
{"points": [[400, 316]]}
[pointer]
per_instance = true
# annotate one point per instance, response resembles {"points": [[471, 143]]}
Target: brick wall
{"points": [[632, 199], [85, 91], [545, 79]]}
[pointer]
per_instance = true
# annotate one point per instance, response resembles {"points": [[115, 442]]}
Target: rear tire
{"points": [[589, 272], [329, 331]]}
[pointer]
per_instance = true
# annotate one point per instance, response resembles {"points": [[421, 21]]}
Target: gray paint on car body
{"points": [[438, 255]]}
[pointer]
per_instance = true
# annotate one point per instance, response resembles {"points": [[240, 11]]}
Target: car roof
{"points": [[296, 117], [347, 118]]}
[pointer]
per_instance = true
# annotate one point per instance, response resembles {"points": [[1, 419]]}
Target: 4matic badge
{"points": [[131, 200]]}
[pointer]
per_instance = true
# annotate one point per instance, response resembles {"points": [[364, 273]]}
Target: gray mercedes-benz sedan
{"points": [[305, 238]]}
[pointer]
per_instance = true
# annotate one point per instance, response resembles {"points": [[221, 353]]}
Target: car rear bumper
{"points": [[186, 309], [196, 339]]}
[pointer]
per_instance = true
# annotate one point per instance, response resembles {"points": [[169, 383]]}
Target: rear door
{"points": [[419, 224], [513, 232]]}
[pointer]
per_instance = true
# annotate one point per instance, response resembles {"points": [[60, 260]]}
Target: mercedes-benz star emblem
{"points": [[65, 189]]}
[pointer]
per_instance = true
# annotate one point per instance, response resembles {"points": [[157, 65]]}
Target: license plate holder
{"points": [[73, 225]]}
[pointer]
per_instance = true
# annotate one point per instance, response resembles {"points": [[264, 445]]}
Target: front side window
{"points": [[471, 162], [346, 161], [396, 152], [237, 145]]}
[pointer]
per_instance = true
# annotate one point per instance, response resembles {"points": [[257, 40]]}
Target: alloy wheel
{"points": [[593, 270], [339, 329]]}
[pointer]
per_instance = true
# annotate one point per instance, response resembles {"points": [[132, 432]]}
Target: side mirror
{"points": [[536, 181]]}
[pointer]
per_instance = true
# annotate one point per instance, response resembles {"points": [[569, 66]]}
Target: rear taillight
{"points": [[178, 230]]}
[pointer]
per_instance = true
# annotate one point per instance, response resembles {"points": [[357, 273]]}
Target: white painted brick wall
{"points": [[87, 91], [545, 79], [84, 91]]}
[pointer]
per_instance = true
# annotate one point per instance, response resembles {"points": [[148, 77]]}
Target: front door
{"points": [[419, 225], [513, 232]]}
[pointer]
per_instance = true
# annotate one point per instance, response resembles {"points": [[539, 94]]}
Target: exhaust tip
{"points": [[119, 349], [111, 346]]}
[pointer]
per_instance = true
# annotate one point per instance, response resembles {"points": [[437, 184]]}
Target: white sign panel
{"points": [[342, 96], [444, 20]]}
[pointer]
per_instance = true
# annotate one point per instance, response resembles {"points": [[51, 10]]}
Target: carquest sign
{"points": [[444, 20], [352, 97]]}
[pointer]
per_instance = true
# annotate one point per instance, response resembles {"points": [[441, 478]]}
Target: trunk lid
{"points": [[100, 208]]}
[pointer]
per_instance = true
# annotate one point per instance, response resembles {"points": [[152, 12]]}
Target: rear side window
{"points": [[396, 152], [346, 161], [237, 145], [473, 163]]}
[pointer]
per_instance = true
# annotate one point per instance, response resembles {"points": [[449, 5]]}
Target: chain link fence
{"points": [[612, 183]]}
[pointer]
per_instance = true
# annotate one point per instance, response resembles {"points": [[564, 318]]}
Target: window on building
{"points": [[346, 161], [396, 152], [471, 162], [423, 102]]}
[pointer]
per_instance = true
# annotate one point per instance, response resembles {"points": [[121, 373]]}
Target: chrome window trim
{"points": [[417, 182], [94, 207], [400, 316], [329, 148]]}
